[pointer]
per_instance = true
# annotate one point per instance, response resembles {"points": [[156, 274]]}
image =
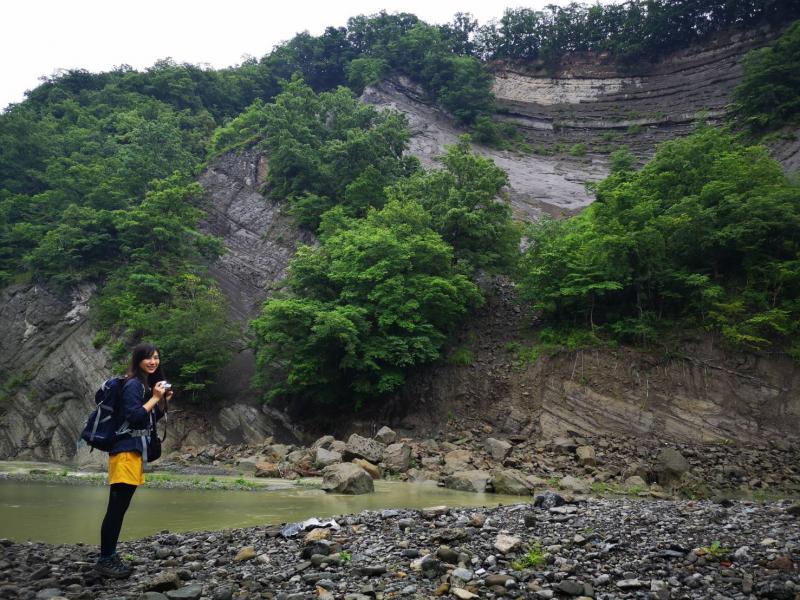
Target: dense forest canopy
{"points": [[96, 185]]}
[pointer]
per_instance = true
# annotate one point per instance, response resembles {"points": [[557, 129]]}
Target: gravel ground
{"points": [[595, 548]]}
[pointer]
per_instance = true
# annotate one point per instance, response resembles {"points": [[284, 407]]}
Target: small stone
{"points": [[442, 589], [462, 594], [659, 589], [629, 584], [245, 553], [189, 592], [747, 583], [168, 580], [448, 555], [506, 543], [586, 456], [768, 542], [372, 570], [501, 580], [783, 562], [40, 573], [223, 593], [570, 587], [463, 574], [317, 534]]}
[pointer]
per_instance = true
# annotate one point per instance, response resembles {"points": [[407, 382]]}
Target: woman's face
{"points": [[150, 364]]}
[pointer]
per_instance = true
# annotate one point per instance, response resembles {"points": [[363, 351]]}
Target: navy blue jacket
{"points": [[131, 409]]}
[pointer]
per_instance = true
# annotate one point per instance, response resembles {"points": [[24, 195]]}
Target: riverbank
{"points": [[597, 548], [474, 460]]}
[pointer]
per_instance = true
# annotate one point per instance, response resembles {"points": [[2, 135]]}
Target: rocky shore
{"points": [[599, 548], [482, 460]]}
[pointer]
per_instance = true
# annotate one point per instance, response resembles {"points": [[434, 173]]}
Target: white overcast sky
{"points": [[39, 37]]}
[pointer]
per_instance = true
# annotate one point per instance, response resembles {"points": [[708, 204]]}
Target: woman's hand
{"points": [[158, 391], [159, 394]]}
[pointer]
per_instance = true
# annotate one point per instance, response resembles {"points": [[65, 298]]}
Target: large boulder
{"points": [[574, 484], [498, 449], [361, 447], [468, 481], [386, 435], [422, 476], [373, 470], [397, 457], [267, 469], [278, 451], [324, 442], [670, 466], [564, 445], [512, 482], [346, 478], [457, 460], [247, 464], [586, 456], [324, 458]]}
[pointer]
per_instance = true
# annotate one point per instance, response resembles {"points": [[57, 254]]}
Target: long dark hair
{"points": [[138, 354]]}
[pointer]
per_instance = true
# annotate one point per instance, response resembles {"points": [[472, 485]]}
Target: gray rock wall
{"points": [[698, 391], [50, 369]]}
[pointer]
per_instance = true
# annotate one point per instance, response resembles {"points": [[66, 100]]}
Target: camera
{"points": [[167, 386]]}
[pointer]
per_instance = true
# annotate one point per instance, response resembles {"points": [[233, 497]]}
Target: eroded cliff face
{"points": [[50, 368], [693, 390], [575, 118], [555, 185]]}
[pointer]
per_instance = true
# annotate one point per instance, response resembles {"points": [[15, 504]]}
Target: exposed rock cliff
{"points": [[553, 184], [49, 366], [692, 391], [592, 101], [50, 370]]}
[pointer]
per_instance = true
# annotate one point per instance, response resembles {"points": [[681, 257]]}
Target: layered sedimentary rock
{"points": [[695, 391], [552, 184]]}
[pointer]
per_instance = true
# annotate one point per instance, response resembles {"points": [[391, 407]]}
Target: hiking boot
{"points": [[112, 566]]}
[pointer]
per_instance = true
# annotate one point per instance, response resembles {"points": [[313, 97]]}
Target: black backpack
{"points": [[101, 427]]}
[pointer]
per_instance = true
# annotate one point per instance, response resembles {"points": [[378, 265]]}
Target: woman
{"points": [[138, 412]]}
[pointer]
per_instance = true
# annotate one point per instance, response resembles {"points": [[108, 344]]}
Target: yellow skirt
{"points": [[126, 467]]}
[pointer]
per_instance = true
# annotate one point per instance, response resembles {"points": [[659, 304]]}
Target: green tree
{"points": [[467, 208], [375, 299], [769, 93], [707, 233]]}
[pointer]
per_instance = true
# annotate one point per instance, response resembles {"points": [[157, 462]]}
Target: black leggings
{"points": [[119, 498]]}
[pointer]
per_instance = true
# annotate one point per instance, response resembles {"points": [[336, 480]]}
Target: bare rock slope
{"points": [[691, 391], [551, 184]]}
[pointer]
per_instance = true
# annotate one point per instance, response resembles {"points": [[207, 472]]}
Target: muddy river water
{"points": [[69, 513]]}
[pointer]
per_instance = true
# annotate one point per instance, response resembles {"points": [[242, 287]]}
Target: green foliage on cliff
{"points": [[376, 298], [769, 95], [636, 30], [324, 150], [463, 201], [707, 233], [398, 245]]}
